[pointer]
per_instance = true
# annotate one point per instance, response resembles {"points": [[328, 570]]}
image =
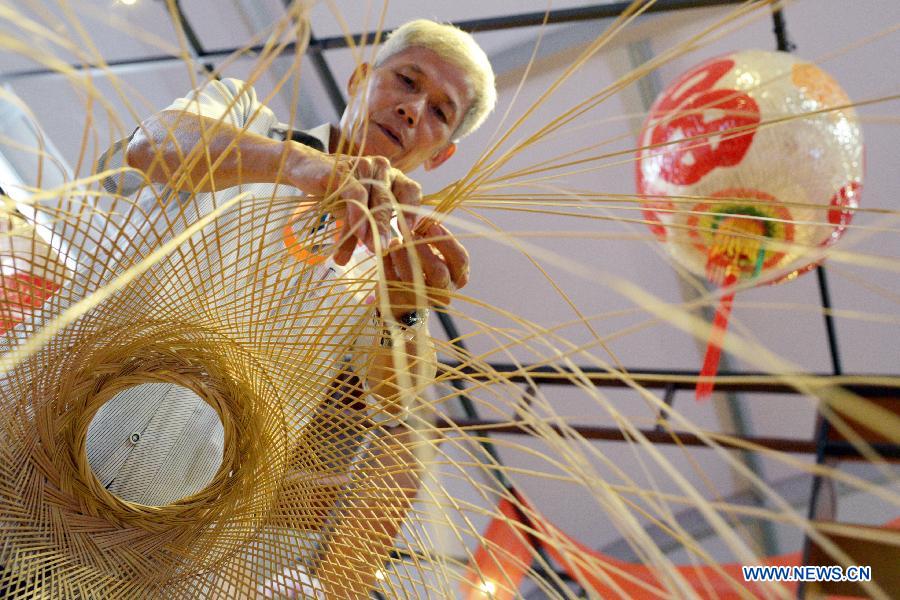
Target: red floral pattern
{"points": [[705, 119], [843, 202]]}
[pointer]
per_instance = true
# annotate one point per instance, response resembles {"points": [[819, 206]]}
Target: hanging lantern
{"points": [[747, 163]]}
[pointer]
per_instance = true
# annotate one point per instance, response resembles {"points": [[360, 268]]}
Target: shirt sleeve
{"points": [[231, 100], [124, 183]]}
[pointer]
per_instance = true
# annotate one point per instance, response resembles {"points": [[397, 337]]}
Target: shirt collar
{"points": [[321, 133]]}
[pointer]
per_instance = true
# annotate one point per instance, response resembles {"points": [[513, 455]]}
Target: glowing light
{"points": [[488, 587], [379, 575], [128, 2]]}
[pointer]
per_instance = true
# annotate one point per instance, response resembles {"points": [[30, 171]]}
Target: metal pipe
{"points": [[835, 448], [750, 381], [326, 75], [830, 329], [468, 407], [180, 21], [533, 19], [727, 404], [783, 43], [602, 11], [471, 411]]}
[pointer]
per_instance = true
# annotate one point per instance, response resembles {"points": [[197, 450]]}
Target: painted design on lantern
{"points": [[778, 85], [761, 194], [701, 128], [733, 235], [843, 202], [649, 206], [818, 85]]}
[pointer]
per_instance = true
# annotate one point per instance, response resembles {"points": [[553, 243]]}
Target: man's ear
{"points": [[438, 159], [358, 76]]}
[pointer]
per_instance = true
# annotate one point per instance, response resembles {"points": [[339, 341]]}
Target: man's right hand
{"points": [[366, 187]]}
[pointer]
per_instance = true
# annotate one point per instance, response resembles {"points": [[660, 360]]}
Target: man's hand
{"points": [[442, 260], [366, 182], [166, 145]]}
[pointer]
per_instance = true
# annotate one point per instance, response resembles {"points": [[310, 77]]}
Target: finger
{"points": [[436, 273], [390, 271], [381, 203], [409, 196], [345, 249], [455, 254], [362, 172], [377, 171], [398, 294], [356, 225], [400, 259]]}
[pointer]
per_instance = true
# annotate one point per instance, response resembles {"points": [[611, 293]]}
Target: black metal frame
{"points": [[318, 45], [823, 449], [671, 380]]}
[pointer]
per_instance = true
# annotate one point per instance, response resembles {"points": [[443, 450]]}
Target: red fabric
{"points": [[20, 294], [505, 556], [611, 578], [502, 560]]}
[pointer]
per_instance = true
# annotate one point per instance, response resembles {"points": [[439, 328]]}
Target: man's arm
{"points": [[394, 378], [215, 139], [426, 271], [376, 509], [374, 512], [192, 152]]}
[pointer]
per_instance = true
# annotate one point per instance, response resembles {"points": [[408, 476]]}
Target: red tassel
{"points": [[714, 344]]}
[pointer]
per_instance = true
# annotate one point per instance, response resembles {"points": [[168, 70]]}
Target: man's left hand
{"points": [[441, 259]]}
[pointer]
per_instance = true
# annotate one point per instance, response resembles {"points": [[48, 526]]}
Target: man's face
{"points": [[414, 102]]}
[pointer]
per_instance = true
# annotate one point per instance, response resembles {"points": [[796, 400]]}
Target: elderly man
{"points": [[429, 86]]}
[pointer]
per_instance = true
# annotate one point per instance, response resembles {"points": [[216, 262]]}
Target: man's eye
{"points": [[440, 113], [408, 82]]}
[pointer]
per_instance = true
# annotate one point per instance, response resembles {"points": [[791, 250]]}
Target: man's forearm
{"points": [[395, 377], [195, 153]]}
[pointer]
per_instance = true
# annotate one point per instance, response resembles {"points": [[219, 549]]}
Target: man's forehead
{"points": [[428, 63]]}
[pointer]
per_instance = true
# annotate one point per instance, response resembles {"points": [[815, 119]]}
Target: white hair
{"points": [[458, 47]]}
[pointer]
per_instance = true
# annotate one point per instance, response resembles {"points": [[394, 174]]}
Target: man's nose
{"points": [[410, 112]]}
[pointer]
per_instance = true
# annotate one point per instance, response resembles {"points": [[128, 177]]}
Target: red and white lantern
{"points": [[747, 163]]}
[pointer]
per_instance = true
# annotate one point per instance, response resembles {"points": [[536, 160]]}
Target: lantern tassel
{"points": [[714, 344]]}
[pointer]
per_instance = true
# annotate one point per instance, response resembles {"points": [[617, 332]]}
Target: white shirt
{"points": [[299, 316]]}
